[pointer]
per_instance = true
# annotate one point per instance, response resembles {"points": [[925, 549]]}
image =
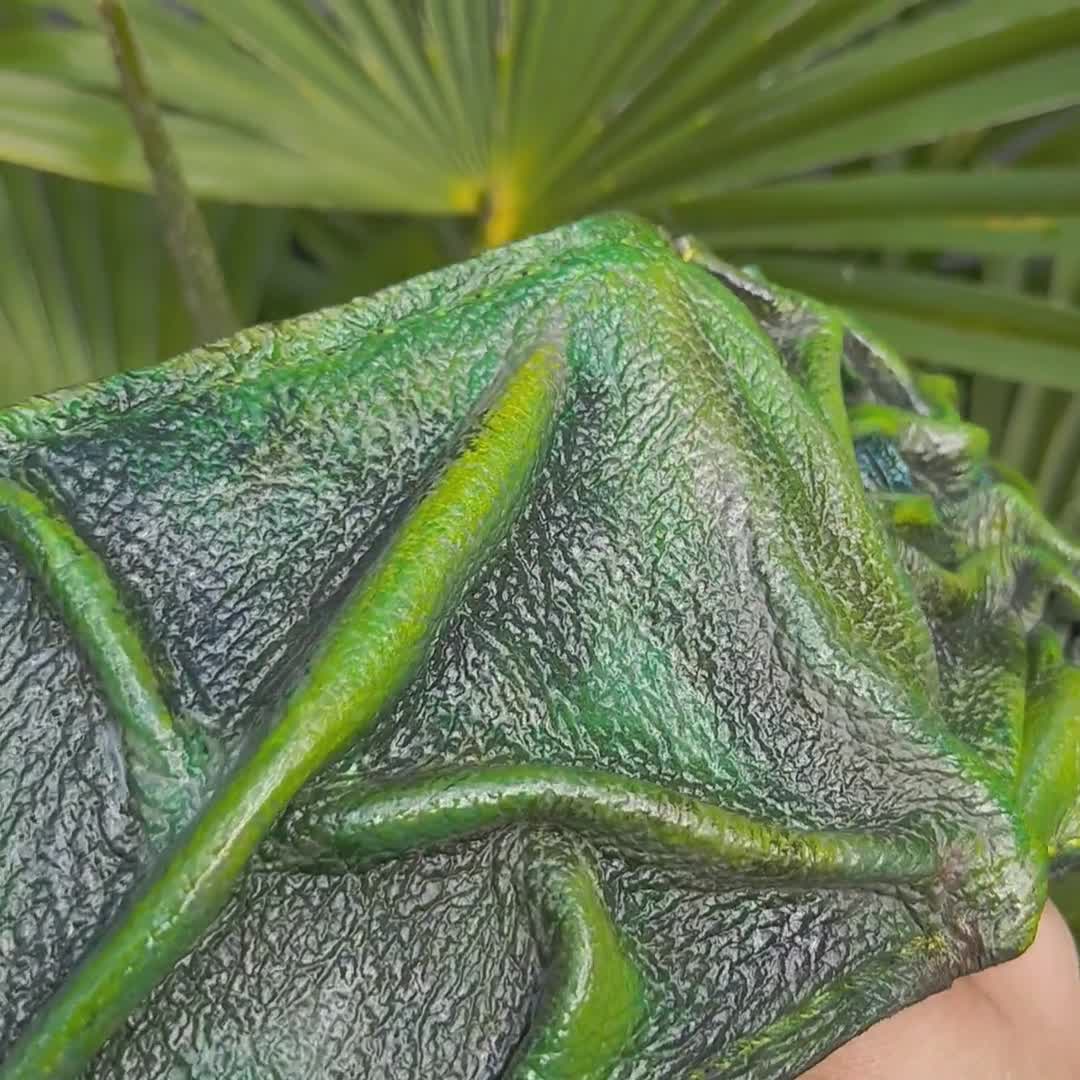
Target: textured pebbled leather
{"points": [[751, 563]]}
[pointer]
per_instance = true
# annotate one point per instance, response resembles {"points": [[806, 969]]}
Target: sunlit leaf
{"points": [[86, 288], [530, 109]]}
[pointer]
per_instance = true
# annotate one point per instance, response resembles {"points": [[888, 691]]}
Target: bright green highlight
{"points": [[952, 436], [908, 511], [410, 816], [374, 647], [585, 1024], [1050, 759], [165, 765]]}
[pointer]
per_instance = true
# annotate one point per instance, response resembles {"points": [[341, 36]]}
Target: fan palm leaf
{"points": [[916, 161]]}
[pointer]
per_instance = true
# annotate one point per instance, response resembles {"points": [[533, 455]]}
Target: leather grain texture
{"points": [[586, 661]]}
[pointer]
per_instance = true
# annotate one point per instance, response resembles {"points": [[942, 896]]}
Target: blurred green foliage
{"points": [[916, 161]]}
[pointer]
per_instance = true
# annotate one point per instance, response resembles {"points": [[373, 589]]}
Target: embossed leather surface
{"points": [[746, 562]]}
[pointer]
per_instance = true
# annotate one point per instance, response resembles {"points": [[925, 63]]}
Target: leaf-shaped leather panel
{"points": [[586, 661]]}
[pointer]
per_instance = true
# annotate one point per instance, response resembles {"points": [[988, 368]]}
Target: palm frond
{"points": [[86, 288], [914, 160]]}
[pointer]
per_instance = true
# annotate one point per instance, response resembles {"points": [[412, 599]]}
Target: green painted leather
{"points": [[586, 661]]}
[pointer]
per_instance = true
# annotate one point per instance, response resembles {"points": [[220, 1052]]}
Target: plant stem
{"points": [[202, 283]]}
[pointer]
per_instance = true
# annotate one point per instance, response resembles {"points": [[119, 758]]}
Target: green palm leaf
{"points": [[540, 108], [915, 160], [86, 288]]}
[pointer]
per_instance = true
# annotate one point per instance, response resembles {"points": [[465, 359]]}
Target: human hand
{"points": [[1017, 1021]]}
